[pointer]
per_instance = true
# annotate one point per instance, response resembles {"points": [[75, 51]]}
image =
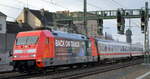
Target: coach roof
{"points": [[112, 41], [69, 35]]}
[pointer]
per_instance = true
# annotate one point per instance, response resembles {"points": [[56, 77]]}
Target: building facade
{"points": [[60, 20], [27, 16], [2, 23], [92, 24], [44, 18]]}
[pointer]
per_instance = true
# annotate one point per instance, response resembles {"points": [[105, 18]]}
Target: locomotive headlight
{"points": [[31, 51], [15, 56], [18, 51], [33, 55]]}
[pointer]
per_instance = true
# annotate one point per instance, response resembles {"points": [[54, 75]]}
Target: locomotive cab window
{"points": [[27, 40], [32, 40], [21, 41]]}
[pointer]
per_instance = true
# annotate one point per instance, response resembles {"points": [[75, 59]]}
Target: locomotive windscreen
{"points": [[27, 40]]}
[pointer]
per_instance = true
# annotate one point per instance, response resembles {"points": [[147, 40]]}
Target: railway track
{"points": [[73, 73], [97, 70], [6, 72], [9, 74]]}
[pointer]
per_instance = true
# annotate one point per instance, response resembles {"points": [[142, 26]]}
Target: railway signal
{"points": [[100, 27], [143, 20], [120, 22]]}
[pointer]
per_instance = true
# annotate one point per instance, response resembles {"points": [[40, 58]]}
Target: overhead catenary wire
{"points": [[52, 2], [12, 7], [92, 5], [117, 3], [24, 4], [18, 8], [55, 4], [11, 17], [4, 5]]}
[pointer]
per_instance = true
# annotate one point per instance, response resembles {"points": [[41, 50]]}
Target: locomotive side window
{"points": [[102, 47], [109, 48], [112, 49], [47, 41]]}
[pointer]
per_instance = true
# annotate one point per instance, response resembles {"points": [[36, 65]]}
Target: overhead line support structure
{"points": [[85, 17], [146, 33]]}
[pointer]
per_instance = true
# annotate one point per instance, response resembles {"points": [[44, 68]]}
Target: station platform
{"points": [[133, 72]]}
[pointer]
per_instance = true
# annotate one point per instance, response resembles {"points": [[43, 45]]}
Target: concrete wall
{"points": [[80, 26], [3, 23], [32, 20], [20, 17], [92, 27], [4, 58], [6, 44], [2, 43], [10, 41]]}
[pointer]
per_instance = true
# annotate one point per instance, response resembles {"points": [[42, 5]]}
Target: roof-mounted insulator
{"points": [[82, 37], [44, 28], [55, 33]]}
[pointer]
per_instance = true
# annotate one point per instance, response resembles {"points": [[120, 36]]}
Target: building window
{"points": [[0, 26]]}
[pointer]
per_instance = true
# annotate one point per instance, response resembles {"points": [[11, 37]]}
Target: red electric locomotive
{"points": [[42, 49]]}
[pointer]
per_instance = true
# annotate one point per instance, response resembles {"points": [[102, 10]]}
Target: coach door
{"points": [[88, 48]]}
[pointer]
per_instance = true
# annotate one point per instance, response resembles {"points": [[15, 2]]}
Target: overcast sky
{"points": [[12, 9]]}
